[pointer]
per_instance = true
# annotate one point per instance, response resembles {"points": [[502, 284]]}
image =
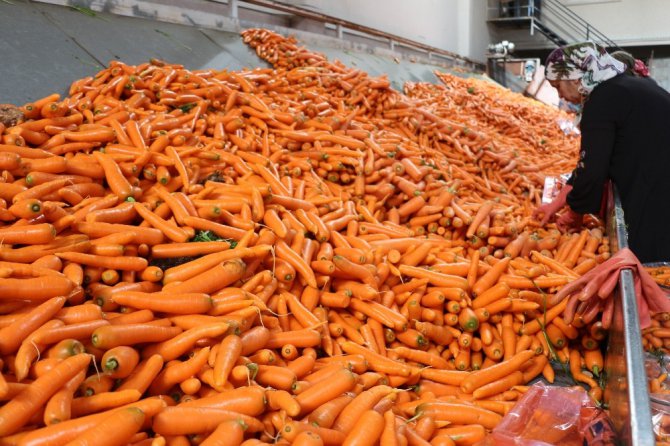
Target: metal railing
{"points": [[626, 390], [557, 17], [552, 19]]}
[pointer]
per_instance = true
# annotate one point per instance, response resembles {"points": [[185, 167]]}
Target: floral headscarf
{"points": [[584, 61]]}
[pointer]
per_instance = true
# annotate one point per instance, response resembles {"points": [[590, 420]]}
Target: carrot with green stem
{"points": [[65, 348], [119, 362], [579, 376]]}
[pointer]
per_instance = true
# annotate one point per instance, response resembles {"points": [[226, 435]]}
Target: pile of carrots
{"points": [[297, 255], [660, 274]]}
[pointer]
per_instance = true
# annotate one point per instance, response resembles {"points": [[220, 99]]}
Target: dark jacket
{"points": [[625, 130]]}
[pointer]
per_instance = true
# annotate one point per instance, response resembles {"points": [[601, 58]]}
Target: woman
{"points": [[634, 67], [625, 128]]}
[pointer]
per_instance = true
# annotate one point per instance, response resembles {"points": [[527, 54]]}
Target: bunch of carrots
{"points": [[297, 255]]}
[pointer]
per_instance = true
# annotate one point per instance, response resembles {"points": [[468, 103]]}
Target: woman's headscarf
{"points": [[584, 61]]}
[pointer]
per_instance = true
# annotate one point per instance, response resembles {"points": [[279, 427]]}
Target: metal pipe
{"points": [[234, 9], [627, 394]]}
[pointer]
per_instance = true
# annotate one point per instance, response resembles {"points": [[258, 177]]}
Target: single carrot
{"points": [[490, 277], [115, 179], [181, 343], [213, 280], [167, 302], [103, 401], [12, 335], [119, 362], [490, 374], [127, 263], [230, 432], [367, 429], [59, 406], [143, 375], [341, 381], [35, 289], [194, 420], [460, 413], [18, 411]]}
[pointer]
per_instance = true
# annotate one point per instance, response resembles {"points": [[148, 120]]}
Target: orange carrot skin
{"points": [[120, 426], [18, 411]]}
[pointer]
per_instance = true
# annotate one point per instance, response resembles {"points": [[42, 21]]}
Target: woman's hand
{"points": [[569, 220], [548, 210]]}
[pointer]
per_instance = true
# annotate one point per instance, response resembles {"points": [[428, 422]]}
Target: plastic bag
{"points": [[657, 369], [550, 416], [660, 415], [553, 186], [568, 127]]}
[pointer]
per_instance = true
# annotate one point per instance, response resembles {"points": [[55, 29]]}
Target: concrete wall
{"points": [[660, 71], [627, 22], [453, 25]]}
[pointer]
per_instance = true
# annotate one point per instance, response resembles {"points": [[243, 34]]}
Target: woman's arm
{"points": [[604, 114]]}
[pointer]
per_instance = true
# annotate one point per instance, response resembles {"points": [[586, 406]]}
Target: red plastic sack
{"points": [[552, 416]]}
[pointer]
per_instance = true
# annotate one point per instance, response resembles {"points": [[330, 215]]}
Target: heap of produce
{"points": [[297, 254]]}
